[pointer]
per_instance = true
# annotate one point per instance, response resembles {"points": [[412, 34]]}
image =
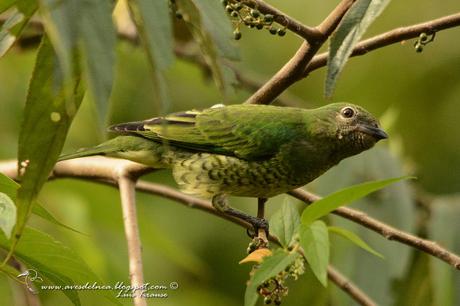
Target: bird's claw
{"points": [[257, 224]]}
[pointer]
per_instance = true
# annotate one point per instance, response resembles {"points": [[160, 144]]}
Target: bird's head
{"points": [[351, 128]]}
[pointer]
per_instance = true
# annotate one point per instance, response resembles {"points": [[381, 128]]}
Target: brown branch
{"points": [[387, 231], [127, 186], [348, 287], [106, 170], [307, 33], [391, 37], [292, 71]]}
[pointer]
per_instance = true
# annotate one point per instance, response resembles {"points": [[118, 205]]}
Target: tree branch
{"points": [[292, 71], [391, 37], [387, 231], [127, 186], [106, 170]]}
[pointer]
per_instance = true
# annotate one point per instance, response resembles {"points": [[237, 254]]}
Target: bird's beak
{"points": [[375, 132]]}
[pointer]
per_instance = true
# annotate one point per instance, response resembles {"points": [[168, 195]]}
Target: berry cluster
{"points": [[274, 289], [243, 14]]}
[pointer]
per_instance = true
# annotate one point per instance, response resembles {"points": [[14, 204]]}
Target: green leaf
{"points": [[344, 196], [285, 222], [53, 261], [154, 25], [10, 187], [61, 25], [270, 267], [13, 26], [6, 4], [353, 25], [314, 240], [98, 42], [7, 214], [47, 118], [212, 30], [353, 238]]}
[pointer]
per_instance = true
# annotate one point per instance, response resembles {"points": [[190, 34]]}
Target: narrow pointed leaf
{"points": [[7, 214], [352, 27], [345, 196], [47, 119], [353, 238], [285, 222], [270, 266], [98, 41], [154, 25], [11, 29], [314, 240], [54, 262]]}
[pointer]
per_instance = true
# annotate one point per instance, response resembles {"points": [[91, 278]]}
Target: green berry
{"points": [[237, 35], [273, 31], [179, 15], [423, 37], [281, 32], [259, 26], [229, 9], [418, 48], [268, 18], [224, 2], [238, 6], [234, 14], [254, 13]]}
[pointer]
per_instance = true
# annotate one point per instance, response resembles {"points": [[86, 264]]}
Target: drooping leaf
{"points": [[10, 187], [7, 214], [211, 29], [270, 267], [344, 196], [353, 238], [154, 25], [98, 42], [53, 261], [13, 26], [314, 240], [285, 222], [61, 25], [47, 118], [353, 25]]}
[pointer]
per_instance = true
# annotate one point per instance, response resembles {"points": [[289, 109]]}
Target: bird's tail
{"points": [[130, 147]]}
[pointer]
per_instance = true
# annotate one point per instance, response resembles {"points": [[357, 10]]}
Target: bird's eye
{"points": [[347, 112]]}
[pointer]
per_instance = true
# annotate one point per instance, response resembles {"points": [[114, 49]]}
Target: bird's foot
{"points": [[257, 224]]}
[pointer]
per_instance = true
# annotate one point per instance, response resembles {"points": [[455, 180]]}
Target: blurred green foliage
{"points": [[201, 252]]}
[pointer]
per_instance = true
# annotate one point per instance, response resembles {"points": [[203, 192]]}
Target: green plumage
{"points": [[245, 150]]}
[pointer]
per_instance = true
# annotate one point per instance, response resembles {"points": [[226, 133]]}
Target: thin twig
{"points": [[292, 71], [347, 286], [391, 37], [386, 230]]}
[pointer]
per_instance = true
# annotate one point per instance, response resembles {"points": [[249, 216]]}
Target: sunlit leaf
{"points": [[285, 222], [353, 25], [47, 118], [256, 256], [314, 240], [7, 214], [98, 41], [13, 26], [6, 4], [344, 196], [270, 267], [353, 238]]}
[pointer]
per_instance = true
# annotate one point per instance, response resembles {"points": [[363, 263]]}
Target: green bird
{"points": [[244, 150]]}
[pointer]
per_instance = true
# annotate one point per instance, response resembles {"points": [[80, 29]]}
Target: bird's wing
{"points": [[245, 131]]}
